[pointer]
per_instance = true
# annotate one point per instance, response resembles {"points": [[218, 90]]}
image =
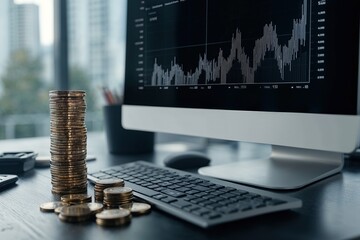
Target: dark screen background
{"points": [[179, 26]]}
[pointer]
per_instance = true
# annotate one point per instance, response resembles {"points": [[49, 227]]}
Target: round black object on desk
{"points": [[187, 160], [122, 141]]}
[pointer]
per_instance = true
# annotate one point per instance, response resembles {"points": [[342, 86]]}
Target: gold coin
{"points": [[140, 208], [67, 163], [58, 210], [67, 190], [75, 174], [109, 181], [76, 198], [95, 207], [118, 190], [113, 223], [113, 214], [50, 206], [75, 210], [76, 213], [67, 93]]}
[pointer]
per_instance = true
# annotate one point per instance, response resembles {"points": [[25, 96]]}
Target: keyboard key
{"points": [[98, 174], [189, 198], [174, 187], [110, 171], [200, 188], [159, 196], [191, 208], [200, 194], [168, 199], [191, 192], [180, 204], [165, 184], [153, 186], [228, 189], [205, 203], [183, 189], [106, 177], [173, 193], [201, 211], [198, 200]]}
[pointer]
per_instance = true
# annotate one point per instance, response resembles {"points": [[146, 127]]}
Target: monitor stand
{"points": [[287, 168]]}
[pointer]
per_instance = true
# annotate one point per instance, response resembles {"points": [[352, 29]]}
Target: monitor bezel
{"points": [[335, 133]]}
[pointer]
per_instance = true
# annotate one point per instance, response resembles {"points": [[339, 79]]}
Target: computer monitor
{"points": [[278, 72]]}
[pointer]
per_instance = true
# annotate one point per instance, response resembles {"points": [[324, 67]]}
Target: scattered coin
{"points": [[50, 206], [95, 207], [113, 217], [58, 210], [75, 214], [140, 208]]}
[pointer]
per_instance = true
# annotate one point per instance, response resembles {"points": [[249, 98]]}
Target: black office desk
{"points": [[330, 207]]}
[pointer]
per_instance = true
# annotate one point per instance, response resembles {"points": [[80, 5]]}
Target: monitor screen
{"points": [[281, 56], [278, 72]]}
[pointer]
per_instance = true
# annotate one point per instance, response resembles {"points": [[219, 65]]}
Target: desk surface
{"points": [[330, 207]]}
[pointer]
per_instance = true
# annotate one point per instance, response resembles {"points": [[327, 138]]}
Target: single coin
{"points": [[95, 207], [110, 181], [75, 213], [140, 208], [118, 190], [58, 210], [50, 206], [55, 93], [76, 198], [113, 214], [113, 217], [75, 210], [67, 190]]}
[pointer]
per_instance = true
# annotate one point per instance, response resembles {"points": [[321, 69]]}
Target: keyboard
{"points": [[200, 200]]}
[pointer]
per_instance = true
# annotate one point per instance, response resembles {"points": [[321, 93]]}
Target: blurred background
{"points": [[96, 56]]}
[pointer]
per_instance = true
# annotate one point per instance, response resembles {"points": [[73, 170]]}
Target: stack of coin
{"points": [[113, 217], [73, 199], [75, 214], [68, 142], [100, 185], [118, 197]]}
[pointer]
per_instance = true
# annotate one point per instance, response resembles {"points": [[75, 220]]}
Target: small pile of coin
{"points": [[68, 142], [100, 185], [116, 197], [84, 210], [113, 217]]}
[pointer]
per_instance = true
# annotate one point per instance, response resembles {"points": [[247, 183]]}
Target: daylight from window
{"points": [[96, 47]]}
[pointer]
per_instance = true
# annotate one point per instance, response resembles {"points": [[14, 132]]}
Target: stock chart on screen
{"points": [[230, 54]]}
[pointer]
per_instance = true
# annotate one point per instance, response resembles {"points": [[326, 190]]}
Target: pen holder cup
{"points": [[122, 141]]}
